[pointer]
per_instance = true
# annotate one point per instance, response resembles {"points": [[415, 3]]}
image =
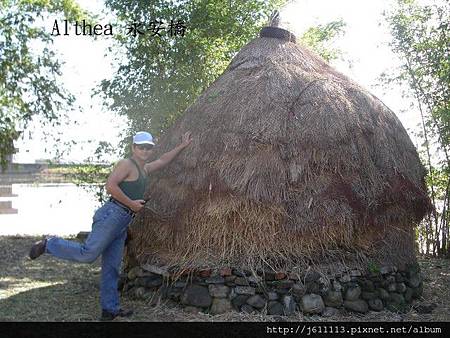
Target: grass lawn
{"points": [[48, 289]]}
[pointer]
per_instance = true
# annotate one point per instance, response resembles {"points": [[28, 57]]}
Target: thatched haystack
{"points": [[292, 164]]}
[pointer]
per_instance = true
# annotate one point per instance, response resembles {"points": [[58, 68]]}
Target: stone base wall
{"points": [[277, 293]]}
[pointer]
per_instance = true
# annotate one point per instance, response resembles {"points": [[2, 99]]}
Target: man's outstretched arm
{"points": [[168, 157]]}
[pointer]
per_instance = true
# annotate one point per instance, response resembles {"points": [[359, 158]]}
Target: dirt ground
{"points": [[49, 289]]}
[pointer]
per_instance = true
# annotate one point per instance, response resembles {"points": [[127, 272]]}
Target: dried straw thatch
{"points": [[292, 163]]}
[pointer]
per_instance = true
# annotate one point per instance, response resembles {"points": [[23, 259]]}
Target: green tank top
{"points": [[135, 189]]}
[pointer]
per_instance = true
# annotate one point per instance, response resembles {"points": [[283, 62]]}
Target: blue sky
{"points": [[364, 44]]}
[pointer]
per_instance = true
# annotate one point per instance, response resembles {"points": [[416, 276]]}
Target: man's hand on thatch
{"points": [[168, 157], [186, 139]]}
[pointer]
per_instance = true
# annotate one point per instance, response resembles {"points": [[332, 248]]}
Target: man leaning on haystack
{"points": [[126, 185]]}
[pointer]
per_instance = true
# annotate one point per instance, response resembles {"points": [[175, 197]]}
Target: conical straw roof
{"points": [[292, 163]]}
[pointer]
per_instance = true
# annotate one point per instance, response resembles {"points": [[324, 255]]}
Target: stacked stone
{"points": [[277, 293]]}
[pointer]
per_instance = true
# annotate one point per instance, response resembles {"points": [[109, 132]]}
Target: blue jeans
{"points": [[107, 238]]}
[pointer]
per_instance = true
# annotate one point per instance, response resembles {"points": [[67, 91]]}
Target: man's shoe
{"points": [[125, 312], [108, 316], [38, 249]]}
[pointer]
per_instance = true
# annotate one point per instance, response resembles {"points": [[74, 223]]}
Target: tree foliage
{"points": [[29, 69], [320, 37], [421, 39]]}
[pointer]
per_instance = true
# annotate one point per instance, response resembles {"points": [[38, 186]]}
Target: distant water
{"points": [[53, 209]]}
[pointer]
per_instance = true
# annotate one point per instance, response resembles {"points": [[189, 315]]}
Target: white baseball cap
{"points": [[143, 137]]}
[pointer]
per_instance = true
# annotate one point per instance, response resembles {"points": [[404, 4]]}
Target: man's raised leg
{"points": [[104, 229]]}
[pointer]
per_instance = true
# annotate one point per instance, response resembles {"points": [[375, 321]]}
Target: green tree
{"points": [[421, 39], [320, 37], [29, 69]]}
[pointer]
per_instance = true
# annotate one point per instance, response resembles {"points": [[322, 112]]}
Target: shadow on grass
{"points": [[57, 302], [46, 289]]}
